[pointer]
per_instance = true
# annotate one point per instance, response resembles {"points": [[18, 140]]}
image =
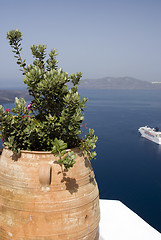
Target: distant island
{"points": [[7, 96], [126, 83], [120, 83]]}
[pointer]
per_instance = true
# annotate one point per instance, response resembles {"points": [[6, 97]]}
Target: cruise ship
{"points": [[153, 134]]}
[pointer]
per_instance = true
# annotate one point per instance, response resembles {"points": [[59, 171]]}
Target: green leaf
{"points": [[58, 145]]}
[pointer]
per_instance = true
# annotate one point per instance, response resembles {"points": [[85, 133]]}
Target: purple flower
{"points": [[2, 139], [84, 125], [27, 116], [29, 106], [7, 110]]}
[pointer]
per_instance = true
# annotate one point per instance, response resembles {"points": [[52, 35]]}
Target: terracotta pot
{"points": [[40, 200]]}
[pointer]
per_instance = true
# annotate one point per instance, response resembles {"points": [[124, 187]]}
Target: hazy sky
{"points": [[96, 37]]}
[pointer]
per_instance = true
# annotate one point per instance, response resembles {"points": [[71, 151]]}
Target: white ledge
{"points": [[118, 222]]}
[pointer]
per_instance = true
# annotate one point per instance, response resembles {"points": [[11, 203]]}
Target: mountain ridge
{"points": [[7, 96], [118, 83], [127, 83]]}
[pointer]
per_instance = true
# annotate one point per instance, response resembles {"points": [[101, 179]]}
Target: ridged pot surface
{"points": [[40, 200]]}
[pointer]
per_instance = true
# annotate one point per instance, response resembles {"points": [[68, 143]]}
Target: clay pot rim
{"points": [[76, 149], [41, 152]]}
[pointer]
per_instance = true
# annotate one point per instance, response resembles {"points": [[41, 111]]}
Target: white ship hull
{"points": [[151, 134]]}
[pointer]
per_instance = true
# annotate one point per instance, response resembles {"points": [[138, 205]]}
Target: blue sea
{"points": [[128, 167]]}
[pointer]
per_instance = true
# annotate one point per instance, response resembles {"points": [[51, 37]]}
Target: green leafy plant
{"points": [[89, 143], [52, 121]]}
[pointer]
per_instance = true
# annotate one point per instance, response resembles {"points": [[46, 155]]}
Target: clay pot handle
{"points": [[45, 174]]}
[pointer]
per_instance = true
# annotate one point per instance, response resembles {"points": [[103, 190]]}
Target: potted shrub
{"points": [[47, 185]]}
